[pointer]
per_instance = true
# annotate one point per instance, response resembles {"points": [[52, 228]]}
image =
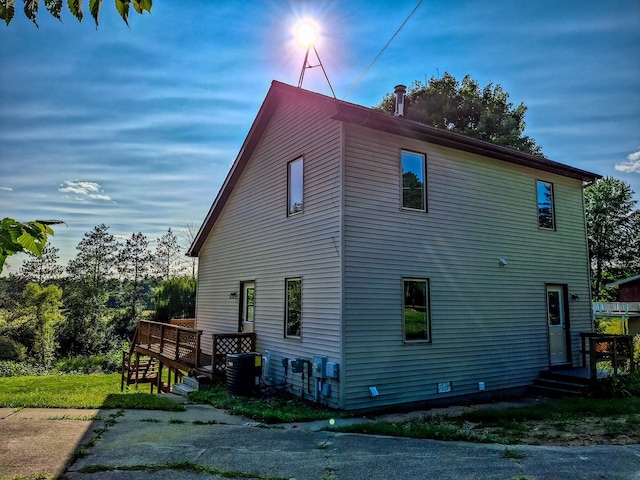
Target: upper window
{"points": [[293, 307], [295, 187], [546, 218], [413, 181], [417, 324]]}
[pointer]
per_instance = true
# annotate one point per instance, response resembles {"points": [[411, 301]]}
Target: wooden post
{"points": [[197, 361], [159, 379], [614, 357], [161, 348]]}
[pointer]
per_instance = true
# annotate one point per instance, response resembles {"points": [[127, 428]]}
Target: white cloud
{"points": [[6, 189], [84, 191], [631, 165]]}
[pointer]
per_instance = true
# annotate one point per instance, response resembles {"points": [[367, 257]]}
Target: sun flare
{"points": [[306, 33]]}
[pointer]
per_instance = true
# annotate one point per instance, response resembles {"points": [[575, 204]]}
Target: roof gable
{"points": [[376, 120]]}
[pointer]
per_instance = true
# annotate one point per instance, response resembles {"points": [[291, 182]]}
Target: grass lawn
{"points": [[278, 409], [567, 421], [77, 391]]}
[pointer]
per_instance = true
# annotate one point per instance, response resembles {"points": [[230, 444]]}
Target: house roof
{"points": [[376, 120], [620, 282]]}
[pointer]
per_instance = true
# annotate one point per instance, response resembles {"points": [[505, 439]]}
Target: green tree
{"points": [[85, 329], [167, 258], [96, 259], [134, 264], [175, 298], [18, 237], [87, 290], [54, 7], [45, 304], [466, 108], [613, 225], [42, 269]]}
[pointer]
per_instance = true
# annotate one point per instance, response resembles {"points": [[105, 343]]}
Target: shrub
{"points": [[20, 369], [11, 350], [617, 386], [108, 363]]}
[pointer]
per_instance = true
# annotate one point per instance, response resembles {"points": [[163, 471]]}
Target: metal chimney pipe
{"points": [[400, 91]]}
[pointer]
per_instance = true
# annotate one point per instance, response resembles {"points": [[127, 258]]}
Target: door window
{"points": [[554, 304]]}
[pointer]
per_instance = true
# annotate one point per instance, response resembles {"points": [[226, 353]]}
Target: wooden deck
{"points": [[177, 346]]}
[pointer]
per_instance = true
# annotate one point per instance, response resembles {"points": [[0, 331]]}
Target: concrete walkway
{"points": [[143, 444]]}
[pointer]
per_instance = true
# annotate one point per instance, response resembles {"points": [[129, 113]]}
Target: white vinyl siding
{"points": [[488, 323], [253, 238]]}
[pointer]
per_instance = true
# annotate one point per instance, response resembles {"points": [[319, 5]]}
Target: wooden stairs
{"points": [[137, 369], [176, 347]]}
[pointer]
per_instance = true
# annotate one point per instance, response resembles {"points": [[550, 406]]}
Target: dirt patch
{"points": [[587, 431]]}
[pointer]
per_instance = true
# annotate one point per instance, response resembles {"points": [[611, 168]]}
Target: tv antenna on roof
{"points": [[306, 36]]}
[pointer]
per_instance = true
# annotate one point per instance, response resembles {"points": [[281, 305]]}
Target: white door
{"points": [[248, 306], [556, 319]]}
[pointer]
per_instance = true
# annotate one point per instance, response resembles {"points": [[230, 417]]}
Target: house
{"points": [[628, 289], [382, 262], [627, 308]]}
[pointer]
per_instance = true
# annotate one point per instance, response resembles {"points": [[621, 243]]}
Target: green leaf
{"points": [[33, 243], [54, 7], [75, 7], [94, 8], [123, 9], [142, 5], [7, 12], [30, 10], [11, 229], [7, 245]]}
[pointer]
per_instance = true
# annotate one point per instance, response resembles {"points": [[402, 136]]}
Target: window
{"points": [[293, 308], [295, 186], [545, 205], [413, 181], [415, 314]]}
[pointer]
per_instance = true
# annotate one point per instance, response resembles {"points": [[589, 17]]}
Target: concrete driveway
{"points": [[203, 442]]}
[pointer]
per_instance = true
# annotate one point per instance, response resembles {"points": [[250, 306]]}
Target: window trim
{"points": [[291, 213], [425, 208], [553, 205], [286, 308], [429, 338]]}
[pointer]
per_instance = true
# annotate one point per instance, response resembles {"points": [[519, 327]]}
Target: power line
{"points": [[383, 49]]}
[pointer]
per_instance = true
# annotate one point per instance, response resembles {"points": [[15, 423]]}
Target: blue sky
{"points": [[137, 127]]}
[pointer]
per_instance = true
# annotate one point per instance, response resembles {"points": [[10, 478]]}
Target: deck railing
{"points": [[178, 348], [171, 344], [183, 322], [616, 308]]}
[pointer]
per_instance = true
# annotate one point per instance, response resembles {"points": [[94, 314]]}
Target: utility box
{"points": [[297, 365], [318, 367], [333, 370]]}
